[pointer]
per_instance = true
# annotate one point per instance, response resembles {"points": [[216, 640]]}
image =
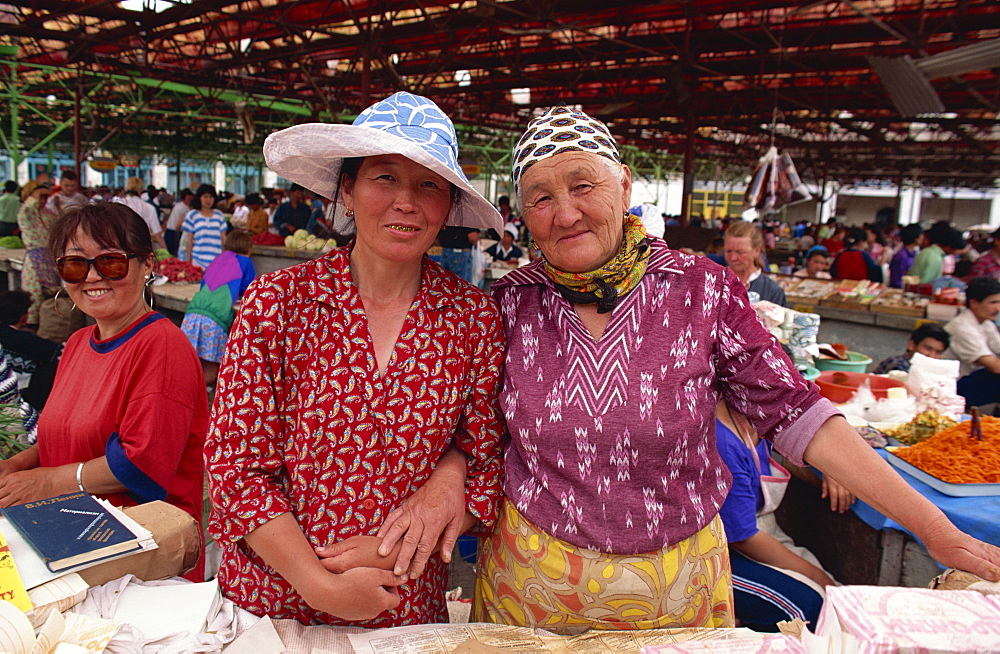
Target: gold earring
{"points": [[55, 303], [349, 213]]}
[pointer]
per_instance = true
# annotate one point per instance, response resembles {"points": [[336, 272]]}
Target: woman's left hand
{"points": [[955, 549], [33, 484], [841, 499], [434, 516]]}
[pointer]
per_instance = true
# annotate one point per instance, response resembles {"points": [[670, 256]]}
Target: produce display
{"points": [[922, 427], [11, 242], [303, 240], [176, 270], [955, 457], [267, 238]]}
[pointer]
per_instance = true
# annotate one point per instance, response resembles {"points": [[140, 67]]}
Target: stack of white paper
{"points": [[887, 620]]}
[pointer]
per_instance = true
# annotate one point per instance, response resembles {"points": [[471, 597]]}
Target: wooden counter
{"points": [[174, 297], [10, 268], [269, 258]]}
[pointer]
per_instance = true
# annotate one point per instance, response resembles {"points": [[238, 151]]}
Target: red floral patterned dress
{"points": [[303, 422]]}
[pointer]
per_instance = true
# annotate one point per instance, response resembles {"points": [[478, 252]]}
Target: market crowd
{"points": [[604, 419]]}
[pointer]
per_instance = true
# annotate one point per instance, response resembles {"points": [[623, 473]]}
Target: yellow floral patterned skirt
{"points": [[528, 578]]}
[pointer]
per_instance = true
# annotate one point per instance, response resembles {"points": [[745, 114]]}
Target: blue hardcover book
{"points": [[71, 530]]}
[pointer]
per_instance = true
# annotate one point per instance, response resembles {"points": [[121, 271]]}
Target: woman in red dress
{"points": [[351, 378]]}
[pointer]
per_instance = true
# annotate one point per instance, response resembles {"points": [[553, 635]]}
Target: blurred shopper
{"points": [[975, 341], [293, 215], [39, 271], [506, 250], [210, 313], [203, 228], [929, 263], [257, 217], [854, 263], [988, 264], [902, 260], [146, 210], [181, 208], [817, 259], [10, 203], [930, 340], [68, 195]]}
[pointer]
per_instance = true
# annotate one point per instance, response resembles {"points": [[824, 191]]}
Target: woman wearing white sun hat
{"points": [[349, 379]]}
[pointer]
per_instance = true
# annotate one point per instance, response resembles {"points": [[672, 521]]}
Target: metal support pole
{"points": [[15, 122], [688, 171], [77, 150], [366, 75]]}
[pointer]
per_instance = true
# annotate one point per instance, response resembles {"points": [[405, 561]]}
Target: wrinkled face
{"points": [[574, 205], [929, 347], [986, 309], [816, 264], [399, 206], [102, 299], [741, 255]]}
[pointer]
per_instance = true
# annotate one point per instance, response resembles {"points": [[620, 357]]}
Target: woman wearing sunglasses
{"points": [[128, 413]]}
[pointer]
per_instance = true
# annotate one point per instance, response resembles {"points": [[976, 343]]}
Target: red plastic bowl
{"points": [[846, 384]]}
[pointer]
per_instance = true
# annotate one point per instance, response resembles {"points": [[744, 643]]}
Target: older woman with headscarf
{"points": [[38, 274], [619, 350]]}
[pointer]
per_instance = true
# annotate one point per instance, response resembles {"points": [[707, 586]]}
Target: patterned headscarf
{"points": [[558, 130]]}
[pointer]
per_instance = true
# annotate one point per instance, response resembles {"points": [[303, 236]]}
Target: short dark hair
{"points": [[13, 306], [70, 175], [980, 288], [909, 234], [186, 192], [930, 330], [854, 236], [10, 186], [111, 224], [253, 198], [206, 188]]}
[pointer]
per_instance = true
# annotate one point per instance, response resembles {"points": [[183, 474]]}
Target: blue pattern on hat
{"points": [[418, 120]]}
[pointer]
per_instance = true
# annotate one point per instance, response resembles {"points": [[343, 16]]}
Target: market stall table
{"points": [[864, 547], [10, 265], [174, 296], [268, 258]]}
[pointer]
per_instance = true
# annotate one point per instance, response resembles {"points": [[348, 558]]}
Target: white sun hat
{"points": [[312, 154]]}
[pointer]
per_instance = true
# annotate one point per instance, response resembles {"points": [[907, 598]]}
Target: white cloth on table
{"points": [[224, 624]]}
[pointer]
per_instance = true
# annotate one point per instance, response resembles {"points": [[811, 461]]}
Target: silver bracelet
{"points": [[79, 477]]}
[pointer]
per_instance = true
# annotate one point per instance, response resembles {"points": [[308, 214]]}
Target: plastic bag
{"points": [[478, 265], [775, 184], [933, 383]]}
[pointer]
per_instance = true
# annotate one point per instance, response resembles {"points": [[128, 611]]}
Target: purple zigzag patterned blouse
{"points": [[612, 442]]}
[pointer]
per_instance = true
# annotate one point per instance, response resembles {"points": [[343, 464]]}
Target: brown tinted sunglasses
{"points": [[111, 266]]}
